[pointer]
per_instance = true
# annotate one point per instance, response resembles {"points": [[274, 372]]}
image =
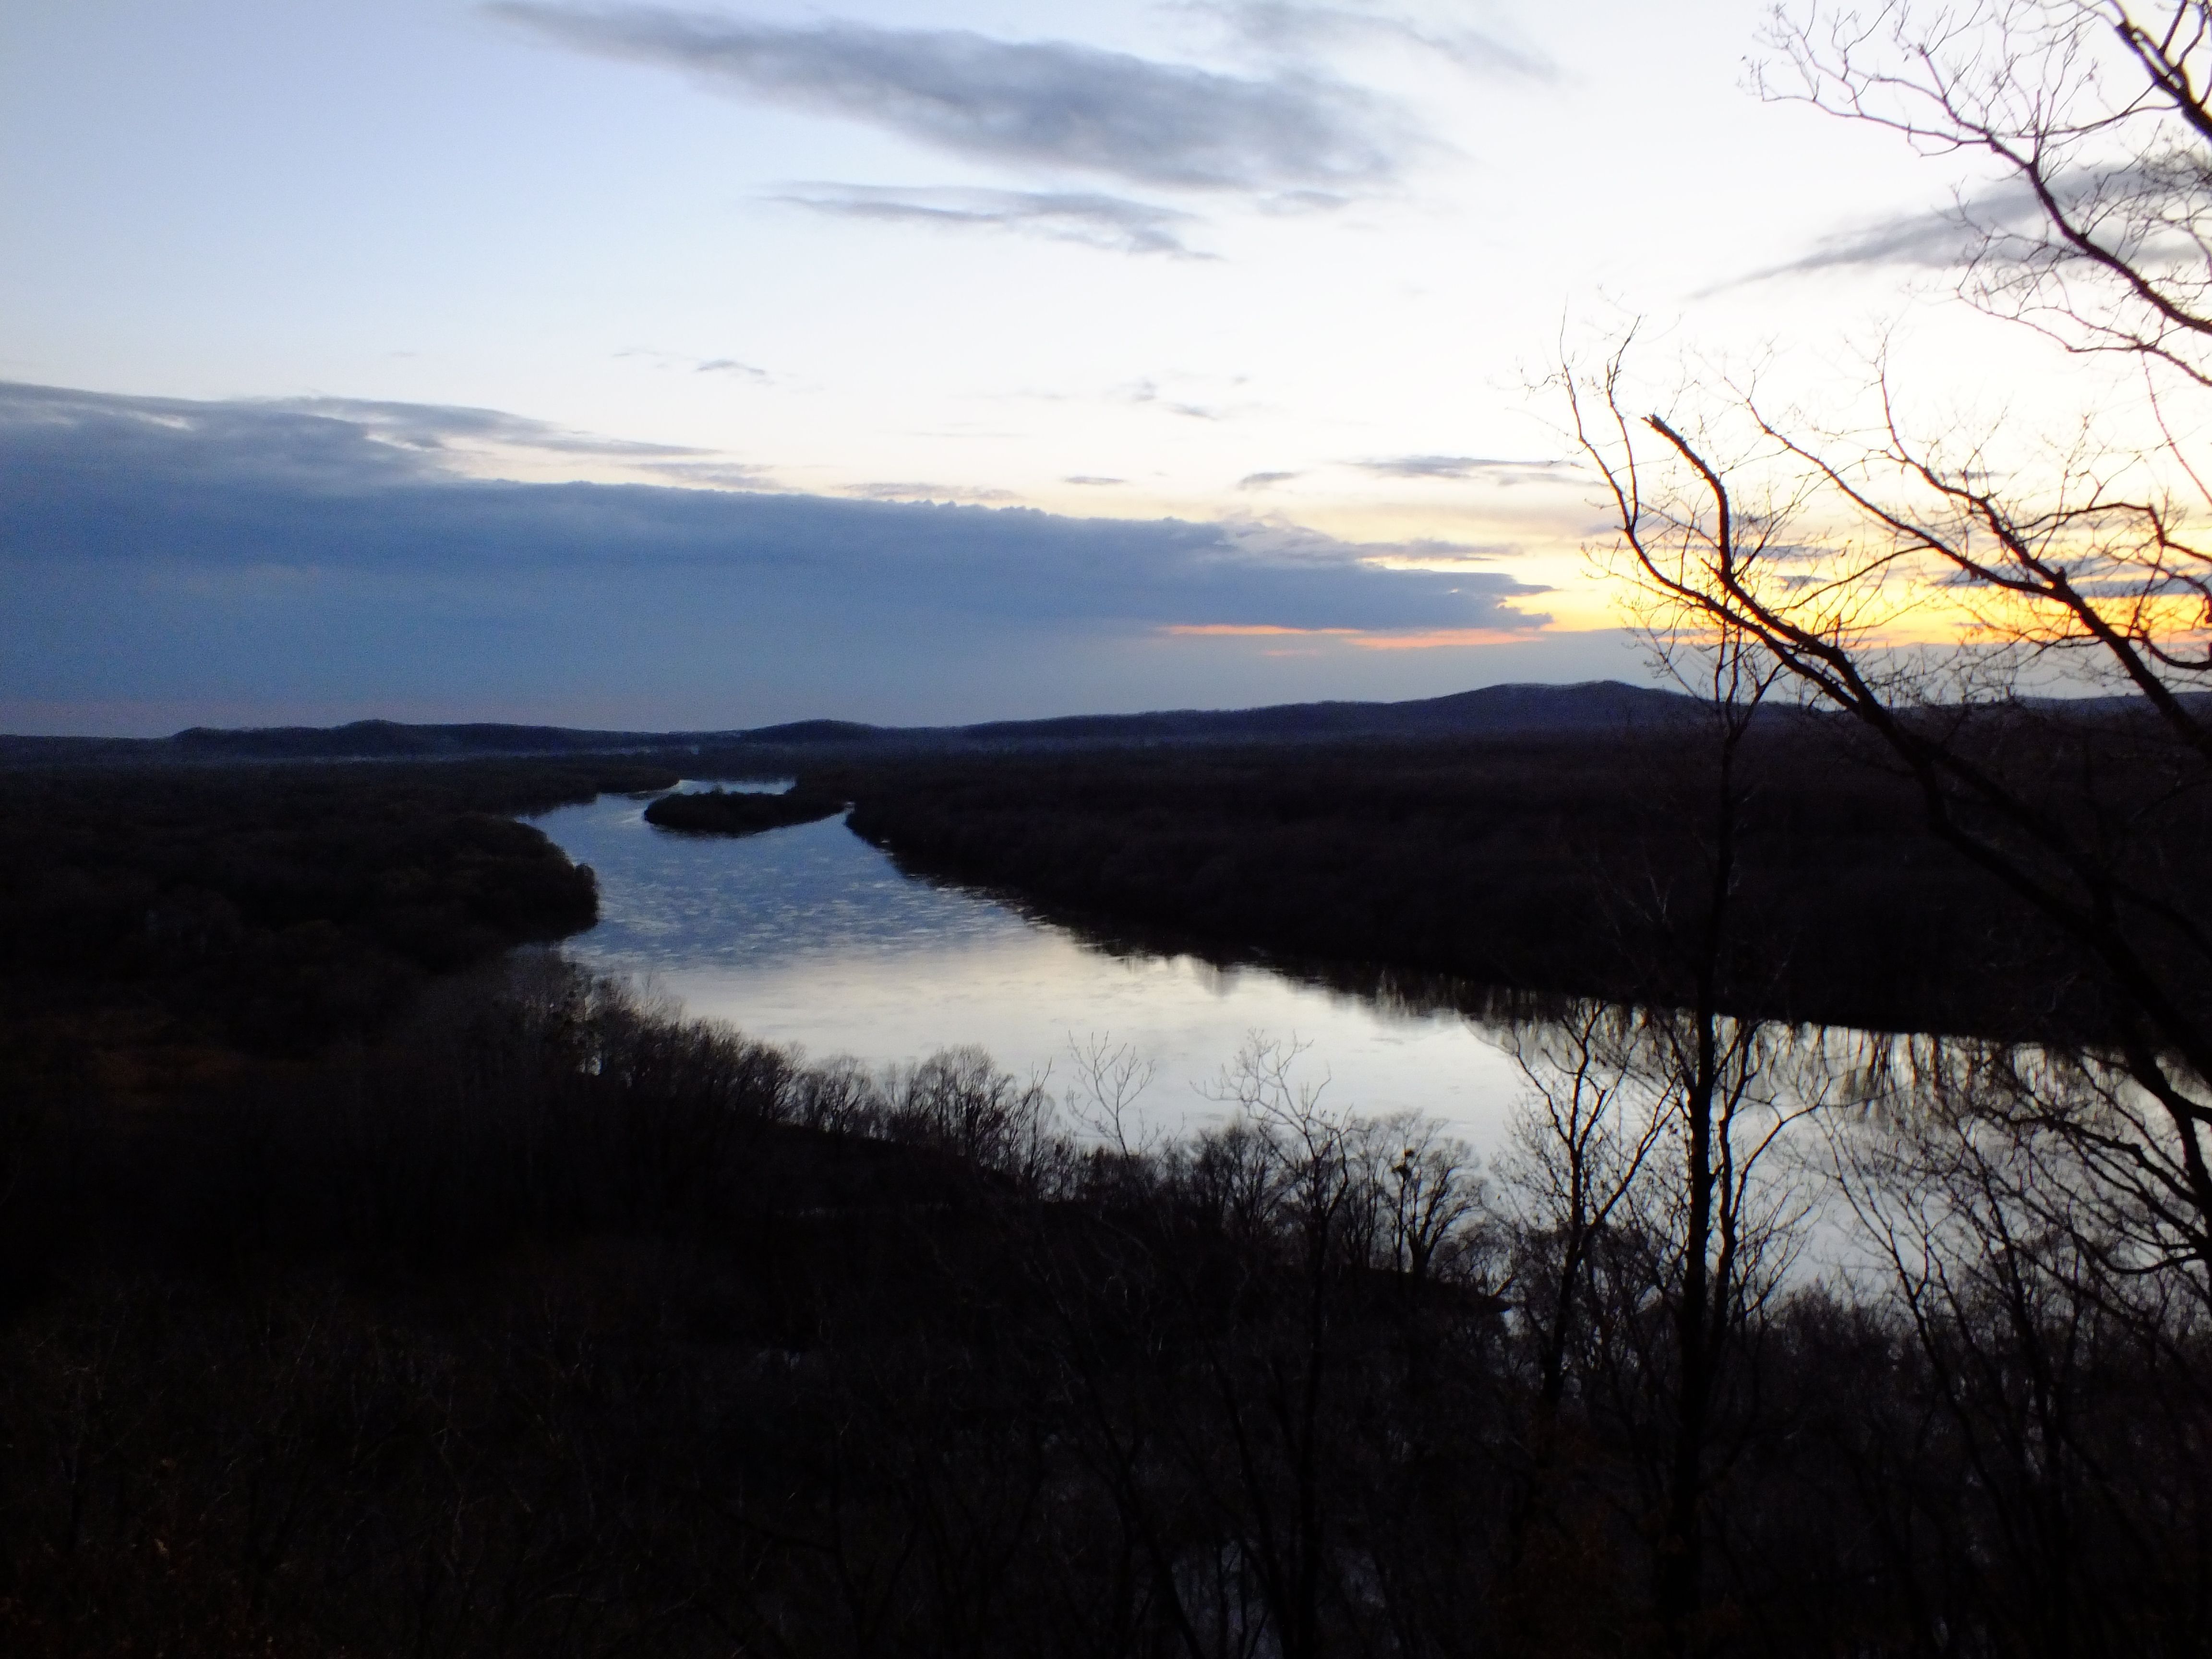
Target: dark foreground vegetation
{"points": [[272, 908], [370, 1287], [735, 813], [549, 1326]]}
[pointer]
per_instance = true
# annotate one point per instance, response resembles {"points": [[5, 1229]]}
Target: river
{"points": [[812, 939]]}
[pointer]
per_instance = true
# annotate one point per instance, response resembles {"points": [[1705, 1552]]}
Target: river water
{"points": [[811, 938]]}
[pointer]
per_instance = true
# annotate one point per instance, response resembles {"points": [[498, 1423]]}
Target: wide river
{"points": [[811, 938]]}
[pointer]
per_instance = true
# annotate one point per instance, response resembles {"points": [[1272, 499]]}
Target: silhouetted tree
{"points": [[1809, 548]]}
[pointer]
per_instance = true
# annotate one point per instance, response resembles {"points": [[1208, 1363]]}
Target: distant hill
{"points": [[382, 739], [1593, 704], [1494, 710]]}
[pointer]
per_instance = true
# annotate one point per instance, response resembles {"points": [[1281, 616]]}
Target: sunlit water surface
{"points": [[810, 936]]}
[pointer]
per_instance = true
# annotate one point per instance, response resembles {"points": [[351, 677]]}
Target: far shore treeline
{"points": [[372, 1282]]}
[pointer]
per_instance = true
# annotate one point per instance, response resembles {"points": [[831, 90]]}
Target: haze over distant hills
{"points": [[1593, 705]]}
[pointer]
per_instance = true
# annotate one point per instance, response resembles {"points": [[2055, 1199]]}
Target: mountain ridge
{"points": [[1521, 707]]}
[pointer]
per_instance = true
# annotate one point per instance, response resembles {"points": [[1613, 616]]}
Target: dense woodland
{"points": [[376, 1284], [1551, 863], [274, 908]]}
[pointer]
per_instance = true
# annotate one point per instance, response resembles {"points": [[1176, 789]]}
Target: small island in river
{"points": [[736, 812]]}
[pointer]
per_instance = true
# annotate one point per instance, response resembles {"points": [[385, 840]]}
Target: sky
{"points": [[904, 361]]}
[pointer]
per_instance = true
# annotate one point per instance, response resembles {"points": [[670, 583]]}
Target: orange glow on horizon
{"points": [[1438, 638], [1365, 639]]}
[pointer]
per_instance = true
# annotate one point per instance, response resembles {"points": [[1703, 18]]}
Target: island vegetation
{"points": [[720, 811]]}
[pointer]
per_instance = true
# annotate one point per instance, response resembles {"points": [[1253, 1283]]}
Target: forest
{"points": [[377, 1283], [1544, 863]]}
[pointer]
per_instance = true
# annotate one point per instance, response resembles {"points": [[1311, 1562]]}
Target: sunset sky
{"points": [[1212, 331]]}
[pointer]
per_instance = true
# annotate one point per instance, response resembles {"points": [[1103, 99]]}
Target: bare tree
{"points": [[1645, 1140], [2045, 1214], [1577, 1153], [2096, 116], [1814, 550], [2054, 1339]]}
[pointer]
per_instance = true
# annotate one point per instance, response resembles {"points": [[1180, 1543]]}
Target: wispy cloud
{"points": [[713, 475], [685, 362], [1288, 28], [1298, 203], [2006, 218], [1454, 467], [1935, 241], [489, 440], [1089, 479], [431, 427], [1052, 103], [1433, 554], [345, 445], [1264, 480], [893, 491], [1096, 221], [1147, 392]]}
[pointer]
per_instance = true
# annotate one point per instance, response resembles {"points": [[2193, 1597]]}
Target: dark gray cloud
{"points": [[1096, 221], [155, 548], [1053, 103]]}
